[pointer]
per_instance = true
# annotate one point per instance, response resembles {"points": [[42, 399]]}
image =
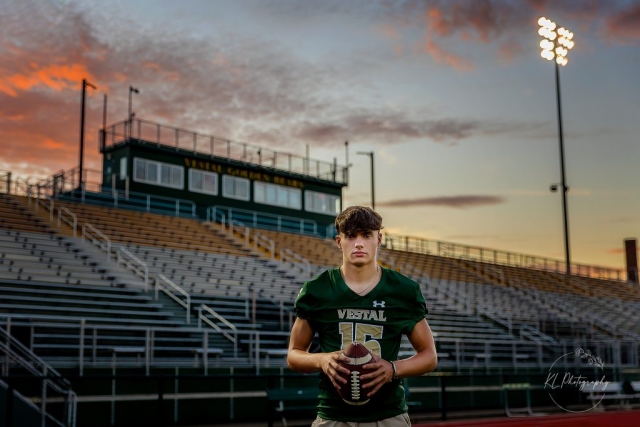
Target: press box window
{"points": [[157, 173], [321, 203], [123, 168], [235, 188], [277, 195], [203, 182]]}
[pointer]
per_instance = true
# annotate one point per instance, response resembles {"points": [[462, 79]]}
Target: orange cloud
{"points": [[8, 90], [57, 77], [50, 143], [442, 56]]}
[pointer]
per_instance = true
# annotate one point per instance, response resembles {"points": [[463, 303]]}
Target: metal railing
{"points": [[270, 221], [94, 345], [496, 256], [16, 353], [5, 182], [88, 232], [138, 267], [147, 132], [216, 215], [147, 202], [47, 204], [65, 215], [203, 318], [535, 335], [262, 241], [287, 255], [169, 290]]}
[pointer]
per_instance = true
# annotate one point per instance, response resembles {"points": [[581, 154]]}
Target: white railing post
{"points": [[72, 223], [168, 290], [87, 229], [204, 307], [141, 270]]}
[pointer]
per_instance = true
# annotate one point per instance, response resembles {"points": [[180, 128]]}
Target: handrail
{"points": [[73, 224], [265, 242], [154, 337], [287, 255], [5, 178], [243, 231], [582, 286], [416, 271], [213, 325], [144, 272], [233, 224], [215, 146], [16, 344], [489, 269], [173, 286], [536, 335], [28, 360], [212, 216], [87, 228], [148, 200], [496, 257], [50, 206], [485, 311], [47, 382], [22, 188]]}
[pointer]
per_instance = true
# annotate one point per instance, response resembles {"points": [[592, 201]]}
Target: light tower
{"points": [[556, 44]]}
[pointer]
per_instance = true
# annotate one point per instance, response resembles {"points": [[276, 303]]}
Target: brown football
{"points": [[352, 392]]}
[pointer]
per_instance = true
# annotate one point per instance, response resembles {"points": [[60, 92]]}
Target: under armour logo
{"points": [[378, 304]]}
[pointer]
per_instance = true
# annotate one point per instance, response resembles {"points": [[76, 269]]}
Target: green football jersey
{"points": [[378, 320]]}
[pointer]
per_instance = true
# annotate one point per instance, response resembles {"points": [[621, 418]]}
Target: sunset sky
{"points": [[452, 96]]}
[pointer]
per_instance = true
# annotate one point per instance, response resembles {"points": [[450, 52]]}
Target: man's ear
{"points": [[338, 240]]}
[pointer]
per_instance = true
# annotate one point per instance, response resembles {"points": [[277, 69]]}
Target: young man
{"points": [[361, 301]]}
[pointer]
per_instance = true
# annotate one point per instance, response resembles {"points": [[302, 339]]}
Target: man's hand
{"points": [[381, 373], [332, 368]]}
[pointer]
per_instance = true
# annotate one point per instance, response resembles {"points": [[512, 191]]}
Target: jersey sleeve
{"points": [[303, 304], [417, 309]]}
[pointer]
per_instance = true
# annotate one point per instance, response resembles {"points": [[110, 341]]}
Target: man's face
{"points": [[359, 248]]}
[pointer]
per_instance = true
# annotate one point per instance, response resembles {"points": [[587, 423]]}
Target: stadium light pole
{"points": [[85, 83], [556, 44], [373, 187], [132, 90]]}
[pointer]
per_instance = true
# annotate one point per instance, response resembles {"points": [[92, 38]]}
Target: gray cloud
{"points": [[457, 202], [248, 90]]}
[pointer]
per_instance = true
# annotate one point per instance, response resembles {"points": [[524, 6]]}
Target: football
{"points": [[352, 392]]}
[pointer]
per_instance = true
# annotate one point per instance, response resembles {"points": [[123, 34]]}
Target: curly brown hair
{"points": [[358, 219]]}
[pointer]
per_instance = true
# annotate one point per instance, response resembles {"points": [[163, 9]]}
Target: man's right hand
{"points": [[333, 369]]}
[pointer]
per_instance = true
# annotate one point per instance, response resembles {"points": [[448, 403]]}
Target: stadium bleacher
{"points": [[170, 291], [470, 302]]}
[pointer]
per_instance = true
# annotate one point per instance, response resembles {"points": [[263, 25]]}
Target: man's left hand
{"points": [[381, 372]]}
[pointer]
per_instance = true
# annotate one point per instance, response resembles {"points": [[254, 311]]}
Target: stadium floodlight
{"points": [[556, 44]]}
